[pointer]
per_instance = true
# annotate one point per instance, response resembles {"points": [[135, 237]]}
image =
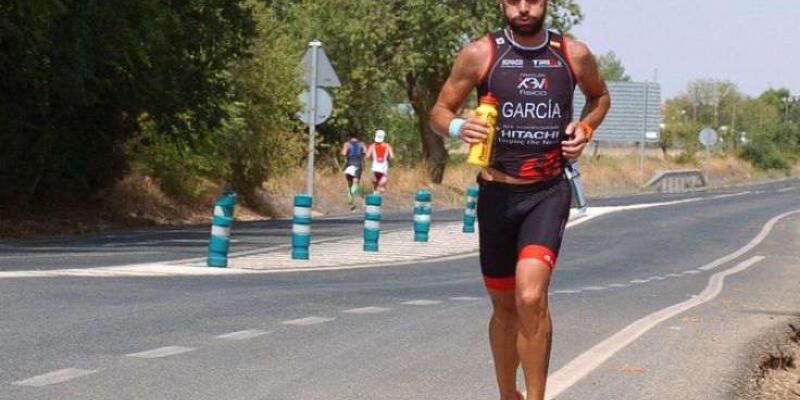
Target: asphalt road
{"points": [[407, 332], [174, 244]]}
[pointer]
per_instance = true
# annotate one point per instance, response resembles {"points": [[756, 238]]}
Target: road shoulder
{"points": [[701, 353]]}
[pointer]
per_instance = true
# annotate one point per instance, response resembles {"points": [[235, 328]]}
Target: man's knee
{"points": [[532, 302]]}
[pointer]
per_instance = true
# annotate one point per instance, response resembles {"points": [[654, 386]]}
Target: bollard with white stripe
{"points": [[422, 215], [301, 227], [470, 210], [372, 222], [222, 219]]}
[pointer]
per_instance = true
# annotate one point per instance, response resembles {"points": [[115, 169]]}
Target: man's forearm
{"points": [[595, 110], [440, 120]]}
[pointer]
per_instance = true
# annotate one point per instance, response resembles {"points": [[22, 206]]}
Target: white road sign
{"points": [[326, 75], [708, 137], [324, 106]]}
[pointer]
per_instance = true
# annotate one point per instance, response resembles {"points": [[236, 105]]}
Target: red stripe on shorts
{"points": [[500, 284], [539, 253]]}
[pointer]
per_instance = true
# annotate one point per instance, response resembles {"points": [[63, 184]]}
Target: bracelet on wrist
{"points": [[455, 127], [587, 129]]}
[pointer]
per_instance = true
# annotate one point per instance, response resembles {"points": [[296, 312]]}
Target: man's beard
{"points": [[525, 29]]}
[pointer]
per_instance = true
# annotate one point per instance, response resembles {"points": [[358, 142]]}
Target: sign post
{"points": [[318, 73], [708, 138], [312, 116], [644, 133]]}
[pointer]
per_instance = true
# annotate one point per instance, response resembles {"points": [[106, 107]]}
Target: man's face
{"points": [[525, 17]]}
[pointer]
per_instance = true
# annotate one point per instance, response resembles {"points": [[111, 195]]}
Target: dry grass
{"points": [[330, 189], [135, 201], [138, 201], [613, 172], [619, 174], [777, 375]]}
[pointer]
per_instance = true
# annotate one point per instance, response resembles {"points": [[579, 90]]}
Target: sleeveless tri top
{"points": [[534, 86], [380, 158], [355, 152]]}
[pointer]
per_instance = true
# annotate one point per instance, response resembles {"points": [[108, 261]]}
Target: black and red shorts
{"points": [[518, 222]]}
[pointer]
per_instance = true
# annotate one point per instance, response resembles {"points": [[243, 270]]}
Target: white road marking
{"points": [[567, 291], [308, 321], [465, 298], [162, 352], [656, 278], [594, 288], [639, 281], [691, 272], [585, 363], [753, 243], [422, 302], [725, 196], [54, 377], [619, 285], [367, 310], [784, 190], [277, 255], [242, 335], [674, 276], [87, 254]]}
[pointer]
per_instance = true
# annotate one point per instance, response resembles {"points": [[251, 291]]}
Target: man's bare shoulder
{"points": [[477, 50], [473, 57], [579, 52]]}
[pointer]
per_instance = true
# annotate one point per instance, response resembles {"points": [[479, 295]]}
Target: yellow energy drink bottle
{"points": [[480, 154]]}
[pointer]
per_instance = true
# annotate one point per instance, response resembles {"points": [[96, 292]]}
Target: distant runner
{"points": [[524, 198], [380, 153], [353, 150]]}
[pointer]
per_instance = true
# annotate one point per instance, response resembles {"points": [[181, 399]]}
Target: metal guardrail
{"points": [[676, 181]]}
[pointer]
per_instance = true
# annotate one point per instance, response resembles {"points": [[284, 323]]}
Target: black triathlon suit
{"points": [[534, 86]]}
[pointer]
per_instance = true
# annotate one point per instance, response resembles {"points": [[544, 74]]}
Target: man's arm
{"points": [[464, 77], [369, 152], [598, 100], [391, 152], [344, 149]]}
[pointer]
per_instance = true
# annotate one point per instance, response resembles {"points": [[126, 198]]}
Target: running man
{"points": [[353, 150], [380, 153], [524, 198]]}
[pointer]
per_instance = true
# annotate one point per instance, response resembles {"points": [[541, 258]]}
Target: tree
{"points": [[78, 79], [357, 36], [398, 49], [260, 137], [611, 67]]}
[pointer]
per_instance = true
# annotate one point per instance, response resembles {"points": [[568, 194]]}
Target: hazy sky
{"points": [[754, 43]]}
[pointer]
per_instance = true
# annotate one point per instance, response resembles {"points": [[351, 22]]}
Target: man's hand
{"points": [[573, 148], [474, 130]]}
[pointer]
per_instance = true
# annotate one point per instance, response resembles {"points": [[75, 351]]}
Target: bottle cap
{"points": [[489, 98]]}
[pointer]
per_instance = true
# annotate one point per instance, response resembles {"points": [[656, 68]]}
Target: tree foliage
{"points": [[77, 77], [611, 67], [759, 129]]}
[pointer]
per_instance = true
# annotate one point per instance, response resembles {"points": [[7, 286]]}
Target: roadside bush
{"points": [[687, 157], [764, 154], [180, 169], [405, 139]]}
